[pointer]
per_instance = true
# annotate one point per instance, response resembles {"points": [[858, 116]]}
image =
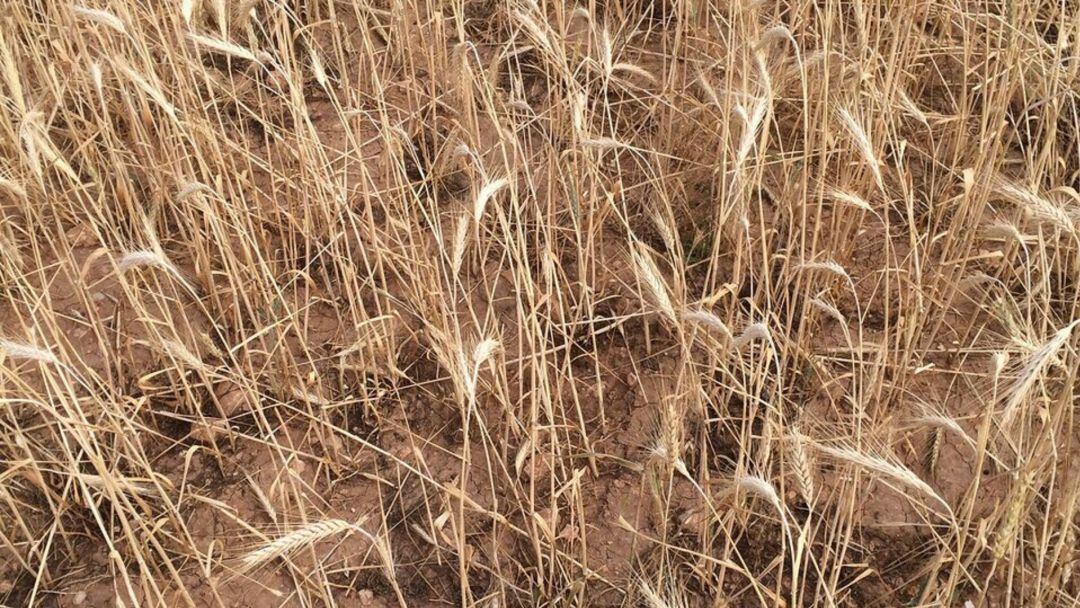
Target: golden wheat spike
{"points": [[297, 539]]}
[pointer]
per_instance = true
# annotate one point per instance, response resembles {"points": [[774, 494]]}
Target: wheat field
{"points": [[658, 303]]}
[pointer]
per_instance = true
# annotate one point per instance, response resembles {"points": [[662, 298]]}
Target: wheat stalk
{"points": [[673, 598], [803, 466], [486, 193], [296, 539], [457, 248], [752, 122], [828, 266], [849, 198], [862, 142], [1034, 206], [829, 309], [937, 436], [752, 332], [604, 143], [583, 210], [192, 188], [1032, 372], [153, 92], [939, 421], [879, 465], [13, 188], [18, 350], [149, 259], [226, 48], [649, 272], [755, 484], [709, 320], [100, 17]]}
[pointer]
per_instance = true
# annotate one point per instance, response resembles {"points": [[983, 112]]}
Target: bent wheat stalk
{"points": [[16, 350], [879, 465], [297, 539]]}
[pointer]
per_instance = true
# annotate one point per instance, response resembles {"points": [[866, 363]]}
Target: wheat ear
{"points": [[299, 538]]}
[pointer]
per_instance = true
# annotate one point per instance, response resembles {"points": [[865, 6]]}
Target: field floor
{"points": [[658, 303]]}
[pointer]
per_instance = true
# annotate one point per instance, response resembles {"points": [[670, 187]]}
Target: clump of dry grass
{"points": [[551, 296]]}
